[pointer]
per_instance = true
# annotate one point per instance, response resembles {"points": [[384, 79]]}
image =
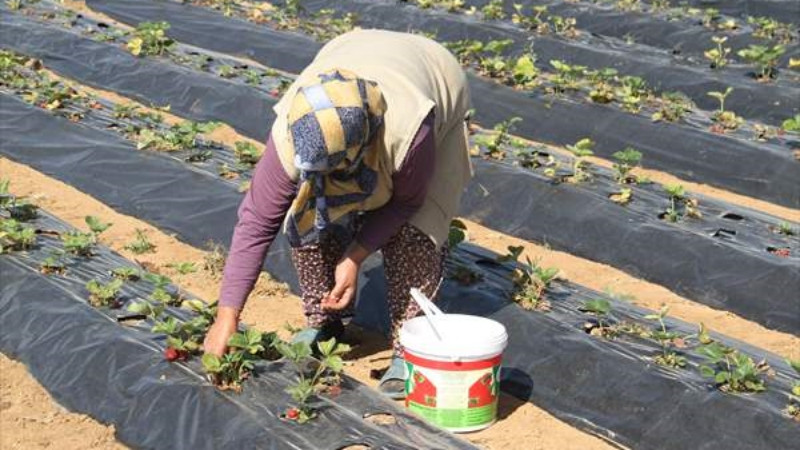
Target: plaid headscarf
{"points": [[333, 122]]}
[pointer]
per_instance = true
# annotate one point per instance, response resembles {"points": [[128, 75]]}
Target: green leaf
{"points": [[326, 347], [794, 364], [212, 363], [238, 340], [96, 225], [707, 371], [722, 377], [335, 363]]}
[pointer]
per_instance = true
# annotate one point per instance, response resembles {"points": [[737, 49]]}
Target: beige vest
{"points": [[415, 75]]}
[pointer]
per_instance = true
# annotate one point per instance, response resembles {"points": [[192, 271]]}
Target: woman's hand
{"points": [[224, 327], [346, 277]]}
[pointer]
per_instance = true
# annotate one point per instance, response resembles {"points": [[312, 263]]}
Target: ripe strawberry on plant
{"points": [[172, 354]]}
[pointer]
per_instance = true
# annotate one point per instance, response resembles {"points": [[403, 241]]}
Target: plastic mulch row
{"points": [[115, 371], [744, 167]]}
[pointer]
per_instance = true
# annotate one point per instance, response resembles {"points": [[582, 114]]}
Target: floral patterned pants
{"points": [[410, 259]]}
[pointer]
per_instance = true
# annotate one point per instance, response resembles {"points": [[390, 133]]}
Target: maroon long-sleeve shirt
{"points": [[271, 193]]}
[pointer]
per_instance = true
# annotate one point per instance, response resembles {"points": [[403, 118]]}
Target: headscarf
{"points": [[334, 122]]}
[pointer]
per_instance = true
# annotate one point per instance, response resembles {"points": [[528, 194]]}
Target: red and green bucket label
{"points": [[459, 396]]}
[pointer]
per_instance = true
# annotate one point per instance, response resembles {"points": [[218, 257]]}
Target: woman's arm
{"points": [[261, 214]]}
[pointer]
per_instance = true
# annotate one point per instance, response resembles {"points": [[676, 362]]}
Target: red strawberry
{"points": [[171, 354], [292, 414], [275, 93]]}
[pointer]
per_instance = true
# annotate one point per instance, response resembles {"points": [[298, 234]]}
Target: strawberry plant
{"points": [[147, 309], [150, 39], [183, 268], [322, 378], [792, 124], [625, 161], [726, 120], [495, 142], [183, 338], [524, 72], [718, 56], [96, 225], [769, 28], [567, 76], [180, 136], [493, 10], [14, 236], [229, 371], [141, 244], [667, 339], [126, 273], [246, 153], [680, 204], [673, 106], [764, 58], [104, 294], [786, 229], [795, 364], [530, 280], [53, 264], [600, 326], [580, 167], [78, 243], [464, 275], [731, 370]]}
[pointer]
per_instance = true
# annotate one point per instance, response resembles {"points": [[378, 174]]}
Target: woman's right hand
{"points": [[216, 341]]}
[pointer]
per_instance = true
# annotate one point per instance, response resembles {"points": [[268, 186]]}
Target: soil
{"points": [[521, 424]]}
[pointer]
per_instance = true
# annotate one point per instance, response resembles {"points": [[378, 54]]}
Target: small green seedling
{"points": [[53, 264], [148, 309], [165, 297], [680, 205], [718, 56], [580, 167], [141, 244], [795, 364], [127, 273], [493, 10], [633, 91], [150, 39], [672, 107], [104, 294], [731, 370], [786, 229], [183, 268], [229, 371], [96, 225], [728, 120], [78, 243], [599, 308], [667, 339], [125, 111], [495, 143], [769, 28], [324, 377], [625, 161]]}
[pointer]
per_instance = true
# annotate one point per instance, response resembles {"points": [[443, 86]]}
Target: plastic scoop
{"points": [[430, 310]]}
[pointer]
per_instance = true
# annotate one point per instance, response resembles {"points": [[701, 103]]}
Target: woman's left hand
{"points": [[346, 277]]}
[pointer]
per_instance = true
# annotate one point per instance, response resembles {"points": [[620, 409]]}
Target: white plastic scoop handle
{"points": [[429, 309]]}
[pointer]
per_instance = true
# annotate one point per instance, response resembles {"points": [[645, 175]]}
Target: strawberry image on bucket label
{"points": [[456, 396]]}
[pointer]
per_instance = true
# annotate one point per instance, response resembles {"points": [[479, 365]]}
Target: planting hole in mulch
{"points": [[732, 216], [724, 233], [380, 418]]}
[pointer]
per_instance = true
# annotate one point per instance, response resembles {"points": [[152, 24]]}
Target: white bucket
{"points": [[454, 382]]}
